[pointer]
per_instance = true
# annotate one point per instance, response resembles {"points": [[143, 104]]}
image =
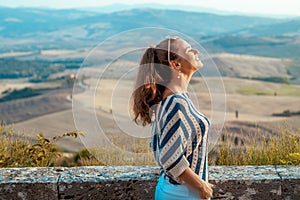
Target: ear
{"points": [[175, 65]]}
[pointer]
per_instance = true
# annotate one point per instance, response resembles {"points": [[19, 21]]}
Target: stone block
{"points": [[28, 183], [290, 176], [103, 182]]}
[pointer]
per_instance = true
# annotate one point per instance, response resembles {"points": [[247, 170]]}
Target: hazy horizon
{"points": [[287, 8]]}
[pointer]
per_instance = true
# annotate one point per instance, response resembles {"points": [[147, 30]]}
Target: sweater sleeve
{"points": [[173, 140]]}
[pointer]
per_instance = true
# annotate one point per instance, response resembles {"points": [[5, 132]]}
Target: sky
{"points": [[262, 7]]}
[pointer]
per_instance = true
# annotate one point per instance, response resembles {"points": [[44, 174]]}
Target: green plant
{"points": [[21, 151], [112, 157], [292, 159], [277, 149]]}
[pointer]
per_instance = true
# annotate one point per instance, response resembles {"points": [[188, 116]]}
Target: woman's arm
{"points": [[193, 181]]}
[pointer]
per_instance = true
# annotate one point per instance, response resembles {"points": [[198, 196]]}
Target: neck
{"points": [[187, 78], [177, 85]]}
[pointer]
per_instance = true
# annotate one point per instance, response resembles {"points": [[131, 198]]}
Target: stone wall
{"points": [[138, 182]]}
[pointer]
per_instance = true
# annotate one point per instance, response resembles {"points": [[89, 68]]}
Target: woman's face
{"points": [[189, 60]]}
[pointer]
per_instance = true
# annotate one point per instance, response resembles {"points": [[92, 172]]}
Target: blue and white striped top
{"points": [[179, 137]]}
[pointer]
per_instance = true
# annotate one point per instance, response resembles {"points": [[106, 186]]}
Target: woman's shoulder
{"points": [[181, 99], [176, 98]]}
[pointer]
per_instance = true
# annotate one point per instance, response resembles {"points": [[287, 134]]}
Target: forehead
{"points": [[181, 44]]}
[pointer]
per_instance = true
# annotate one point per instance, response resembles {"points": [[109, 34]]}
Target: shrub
{"points": [[277, 149], [21, 151]]}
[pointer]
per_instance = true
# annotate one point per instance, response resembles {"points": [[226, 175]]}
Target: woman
{"points": [[179, 130]]}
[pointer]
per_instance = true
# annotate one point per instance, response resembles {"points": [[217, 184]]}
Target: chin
{"points": [[199, 66]]}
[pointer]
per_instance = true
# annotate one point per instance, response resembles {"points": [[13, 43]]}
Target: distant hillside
{"points": [[58, 28], [250, 66], [19, 22], [41, 30], [287, 28], [281, 46]]}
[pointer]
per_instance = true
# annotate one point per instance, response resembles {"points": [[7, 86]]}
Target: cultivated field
{"points": [[111, 105], [106, 100], [236, 65]]}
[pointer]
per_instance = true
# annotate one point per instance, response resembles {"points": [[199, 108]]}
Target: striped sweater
{"points": [[179, 137]]}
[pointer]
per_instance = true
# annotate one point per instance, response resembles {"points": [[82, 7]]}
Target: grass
{"points": [[269, 89], [278, 149], [120, 157], [293, 68], [289, 90], [20, 151], [253, 90]]}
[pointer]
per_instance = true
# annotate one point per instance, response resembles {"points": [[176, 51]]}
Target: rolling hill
{"points": [[241, 46], [39, 31], [28, 28]]}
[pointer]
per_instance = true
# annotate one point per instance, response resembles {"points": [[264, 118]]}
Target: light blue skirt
{"points": [[167, 191]]}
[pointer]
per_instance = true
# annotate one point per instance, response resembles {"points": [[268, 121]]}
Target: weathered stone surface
{"points": [[138, 182], [22, 191], [246, 189], [131, 189], [266, 172], [108, 173], [290, 177], [29, 183], [108, 183], [245, 182]]}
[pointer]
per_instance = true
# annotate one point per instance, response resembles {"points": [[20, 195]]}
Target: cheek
{"points": [[187, 66], [188, 58], [192, 57]]}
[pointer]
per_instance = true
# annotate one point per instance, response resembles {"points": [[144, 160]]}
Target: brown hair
{"points": [[153, 75]]}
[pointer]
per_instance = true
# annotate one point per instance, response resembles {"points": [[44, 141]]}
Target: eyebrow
{"points": [[188, 47]]}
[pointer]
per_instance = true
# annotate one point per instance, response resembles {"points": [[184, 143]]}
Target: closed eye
{"points": [[189, 49]]}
